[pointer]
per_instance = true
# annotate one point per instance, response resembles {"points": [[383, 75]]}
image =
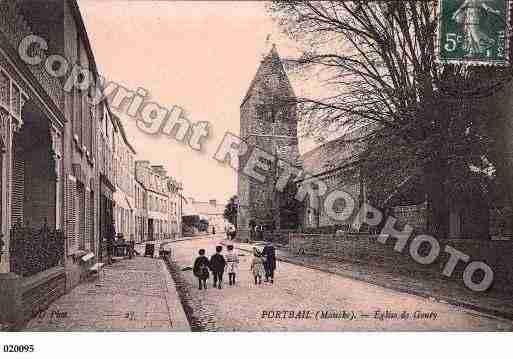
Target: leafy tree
{"points": [[376, 59]]}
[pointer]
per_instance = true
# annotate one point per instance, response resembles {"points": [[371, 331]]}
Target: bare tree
{"points": [[378, 60]]}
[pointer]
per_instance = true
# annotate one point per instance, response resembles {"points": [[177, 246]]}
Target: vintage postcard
{"points": [[254, 166]]}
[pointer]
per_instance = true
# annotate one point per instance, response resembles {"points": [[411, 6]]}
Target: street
{"points": [[303, 299]]}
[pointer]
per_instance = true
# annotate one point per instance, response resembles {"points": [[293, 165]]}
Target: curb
{"points": [[177, 314], [419, 293], [186, 300]]}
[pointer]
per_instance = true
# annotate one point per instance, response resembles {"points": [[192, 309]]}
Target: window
{"points": [[81, 216], [86, 122], [77, 114], [105, 118], [91, 119], [15, 101], [265, 113], [91, 221], [5, 91]]}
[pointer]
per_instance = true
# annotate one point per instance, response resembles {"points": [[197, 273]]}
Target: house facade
{"points": [[160, 195], [50, 187], [68, 178], [124, 177]]}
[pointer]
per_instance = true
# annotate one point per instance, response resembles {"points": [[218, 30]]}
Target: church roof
{"points": [[270, 66], [334, 154]]}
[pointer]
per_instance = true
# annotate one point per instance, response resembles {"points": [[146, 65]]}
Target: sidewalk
{"points": [[134, 295], [437, 289]]}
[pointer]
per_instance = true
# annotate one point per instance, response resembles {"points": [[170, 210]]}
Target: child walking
{"points": [[257, 266], [200, 269], [217, 264], [232, 263]]}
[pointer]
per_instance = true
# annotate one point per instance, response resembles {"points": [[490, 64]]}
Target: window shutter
{"points": [[70, 198]]}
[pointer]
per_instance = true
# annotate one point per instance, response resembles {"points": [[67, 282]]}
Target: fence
{"points": [[34, 250]]}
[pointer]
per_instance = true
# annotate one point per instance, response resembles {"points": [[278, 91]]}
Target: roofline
{"points": [[47, 102], [77, 15], [341, 137], [321, 146], [150, 190], [253, 81], [320, 174], [123, 133]]}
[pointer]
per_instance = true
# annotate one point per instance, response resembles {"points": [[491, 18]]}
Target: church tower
{"points": [[268, 120]]}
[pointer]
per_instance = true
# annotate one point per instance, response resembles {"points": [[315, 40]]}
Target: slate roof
{"points": [[335, 154]]}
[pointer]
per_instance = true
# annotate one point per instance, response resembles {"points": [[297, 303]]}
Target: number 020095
{"points": [[8, 348]]}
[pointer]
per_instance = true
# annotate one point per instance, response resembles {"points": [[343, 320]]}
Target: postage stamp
{"points": [[474, 32]]}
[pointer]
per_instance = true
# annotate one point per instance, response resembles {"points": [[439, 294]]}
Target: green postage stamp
{"points": [[474, 32]]}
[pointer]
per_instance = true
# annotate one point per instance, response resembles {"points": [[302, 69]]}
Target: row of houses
{"points": [[69, 176]]}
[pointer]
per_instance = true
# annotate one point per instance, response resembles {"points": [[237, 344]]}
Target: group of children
{"points": [[216, 264], [263, 263]]}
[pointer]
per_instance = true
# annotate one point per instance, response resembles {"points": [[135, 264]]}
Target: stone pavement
{"points": [[134, 295], [439, 289], [317, 299]]}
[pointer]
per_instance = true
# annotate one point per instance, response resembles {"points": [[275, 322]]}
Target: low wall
{"points": [[366, 249], [281, 237], [23, 297]]}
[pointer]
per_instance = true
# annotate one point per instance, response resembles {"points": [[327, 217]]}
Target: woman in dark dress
{"points": [[200, 269], [269, 254]]}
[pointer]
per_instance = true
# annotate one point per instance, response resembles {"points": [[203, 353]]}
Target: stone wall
{"points": [[336, 164], [40, 293], [415, 216], [366, 249], [499, 223], [22, 298]]}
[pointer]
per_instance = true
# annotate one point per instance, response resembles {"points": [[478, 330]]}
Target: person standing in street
{"points": [[257, 266], [269, 254], [259, 233], [232, 263], [233, 232], [217, 265], [200, 269]]}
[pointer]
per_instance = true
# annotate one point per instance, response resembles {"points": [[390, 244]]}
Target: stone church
{"points": [[268, 120]]}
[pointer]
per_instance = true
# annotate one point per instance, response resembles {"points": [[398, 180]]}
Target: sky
{"points": [[198, 55]]}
